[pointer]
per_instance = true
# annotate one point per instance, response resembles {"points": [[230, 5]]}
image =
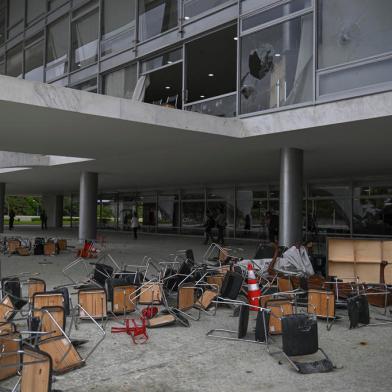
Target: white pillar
{"points": [[88, 206]]}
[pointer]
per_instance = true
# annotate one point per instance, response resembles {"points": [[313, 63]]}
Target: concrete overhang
{"points": [[134, 145]]}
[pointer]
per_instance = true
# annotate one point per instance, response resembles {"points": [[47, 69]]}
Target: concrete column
{"points": [[88, 206], [291, 196], [2, 204], [53, 206]]}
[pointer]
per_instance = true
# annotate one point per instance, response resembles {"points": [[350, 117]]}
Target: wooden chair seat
{"points": [[205, 301], [7, 309], [150, 294], [35, 286], [279, 308], [36, 372], [10, 342], [161, 321], [186, 297], [44, 300], [47, 323], [94, 302], [123, 299], [321, 303], [64, 355]]}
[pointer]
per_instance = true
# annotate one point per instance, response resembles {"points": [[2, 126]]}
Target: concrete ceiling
{"points": [[173, 148]]}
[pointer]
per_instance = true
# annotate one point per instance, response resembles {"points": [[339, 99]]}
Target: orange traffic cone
{"points": [[254, 291]]}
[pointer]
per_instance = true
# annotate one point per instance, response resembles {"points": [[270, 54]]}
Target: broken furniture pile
{"points": [[37, 246]]}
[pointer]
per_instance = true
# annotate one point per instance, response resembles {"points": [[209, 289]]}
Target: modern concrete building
{"points": [[251, 106]]}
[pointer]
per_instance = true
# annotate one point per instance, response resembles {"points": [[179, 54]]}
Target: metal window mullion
{"points": [[238, 61], [315, 51], [278, 21]]}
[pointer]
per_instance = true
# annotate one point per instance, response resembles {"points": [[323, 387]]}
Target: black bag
{"points": [[243, 321], [299, 335], [358, 311]]}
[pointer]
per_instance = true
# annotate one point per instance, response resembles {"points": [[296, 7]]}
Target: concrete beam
{"points": [[10, 159]]}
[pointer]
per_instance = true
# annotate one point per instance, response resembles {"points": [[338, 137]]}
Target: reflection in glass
{"points": [[192, 219], [168, 213], [2, 65], [193, 8], [85, 40], [89, 86], [156, 17], [121, 83], [161, 60], [34, 61], [118, 25], [57, 49], [330, 216], [15, 62], [276, 66], [362, 75], [35, 8], [250, 220], [53, 4], [351, 30], [2, 20], [220, 107], [15, 17], [275, 13], [372, 216]]}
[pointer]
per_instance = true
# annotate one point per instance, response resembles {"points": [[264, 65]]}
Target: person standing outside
{"points": [[11, 219], [209, 225], [135, 224], [221, 225], [44, 220]]}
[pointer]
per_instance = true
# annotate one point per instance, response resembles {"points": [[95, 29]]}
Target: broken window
{"points": [[277, 65]]}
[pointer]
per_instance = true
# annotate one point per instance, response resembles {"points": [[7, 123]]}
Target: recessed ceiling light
{"points": [[169, 62], [211, 75], [202, 96], [167, 87], [235, 38], [277, 54], [186, 17]]}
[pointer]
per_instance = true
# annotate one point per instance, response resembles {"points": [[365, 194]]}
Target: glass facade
{"points": [[121, 83], [156, 17], [57, 49], [34, 59], [84, 40], [276, 66], [118, 26], [270, 56]]}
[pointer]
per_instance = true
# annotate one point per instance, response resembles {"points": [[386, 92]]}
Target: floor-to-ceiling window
{"points": [[16, 13], [120, 83], [211, 73], [35, 9], [372, 210], [193, 212], [57, 45], [277, 60], [118, 25], [3, 10], [156, 17], [14, 65], [354, 44], [168, 212], [34, 58], [84, 38], [162, 77]]}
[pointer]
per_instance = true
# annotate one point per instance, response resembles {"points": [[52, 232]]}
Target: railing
{"points": [[220, 106]]}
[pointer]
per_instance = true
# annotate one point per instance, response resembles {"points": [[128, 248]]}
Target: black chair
{"points": [[300, 338]]}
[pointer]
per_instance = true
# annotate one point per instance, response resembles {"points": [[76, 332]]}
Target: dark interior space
{"points": [[212, 65], [165, 86]]}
